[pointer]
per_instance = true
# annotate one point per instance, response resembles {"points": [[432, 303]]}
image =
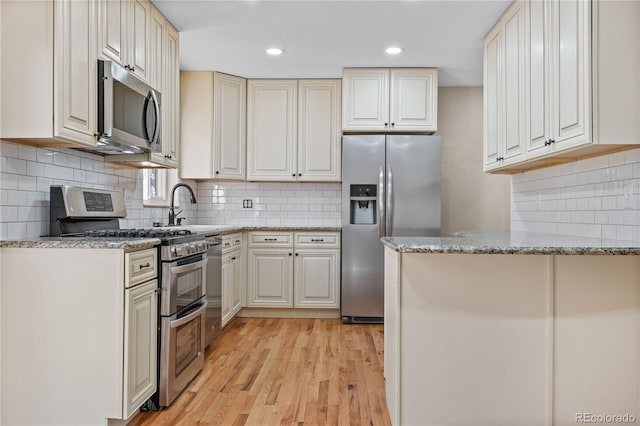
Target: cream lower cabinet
{"points": [[293, 131], [53, 44], [140, 367], [294, 270], [231, 285]]}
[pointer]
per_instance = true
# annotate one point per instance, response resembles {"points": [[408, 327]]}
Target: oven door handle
{"points": [[190, 267], [191, 316]]}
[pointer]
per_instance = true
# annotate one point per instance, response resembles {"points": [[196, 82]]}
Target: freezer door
{"points": [[362, 294], [413, 185]]}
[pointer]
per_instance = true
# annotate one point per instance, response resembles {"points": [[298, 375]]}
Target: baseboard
{"points": [[288, 313]]}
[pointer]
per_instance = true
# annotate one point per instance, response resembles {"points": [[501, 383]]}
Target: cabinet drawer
{"points": [[140, 266], [271, 239], [231, 241], [317, 239]]}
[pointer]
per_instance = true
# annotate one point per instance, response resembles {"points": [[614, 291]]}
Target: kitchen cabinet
{"points": [[292, 130], [140, 367], [83, 319], [389, 100], [231, 276], [124, 34], [300, 275], [213, 138], [581, 86], [504, 89], [56, 104], [156, 47]]}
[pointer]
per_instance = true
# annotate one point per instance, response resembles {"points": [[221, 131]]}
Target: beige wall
{"points": [[471, 199]]}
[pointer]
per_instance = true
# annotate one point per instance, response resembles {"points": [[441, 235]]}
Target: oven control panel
{"points": [[178, 251]]}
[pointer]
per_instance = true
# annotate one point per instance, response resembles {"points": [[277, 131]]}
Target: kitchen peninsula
{"points": [[499, 328]]}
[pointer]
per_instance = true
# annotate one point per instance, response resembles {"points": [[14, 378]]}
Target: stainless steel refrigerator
{"points": [[390, 187]]}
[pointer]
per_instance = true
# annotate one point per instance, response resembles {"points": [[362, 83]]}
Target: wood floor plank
{"points": [[271, 371]]}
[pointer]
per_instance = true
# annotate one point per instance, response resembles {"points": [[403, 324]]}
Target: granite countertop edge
{"points": [[140, 244], [511, 243]]}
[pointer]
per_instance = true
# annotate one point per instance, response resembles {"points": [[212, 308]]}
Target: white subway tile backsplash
{"points": [[584, 198]]}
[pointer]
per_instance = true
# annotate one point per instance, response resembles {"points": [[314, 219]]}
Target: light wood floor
{"points": [[265, 371]]}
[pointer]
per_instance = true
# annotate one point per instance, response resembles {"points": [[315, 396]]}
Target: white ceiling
{"points": [[322, 37]]}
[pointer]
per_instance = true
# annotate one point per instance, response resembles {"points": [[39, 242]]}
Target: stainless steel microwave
{"points": [[129, 112]]}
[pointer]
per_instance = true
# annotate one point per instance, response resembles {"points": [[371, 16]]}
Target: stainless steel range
{"points": [[92, 213]]}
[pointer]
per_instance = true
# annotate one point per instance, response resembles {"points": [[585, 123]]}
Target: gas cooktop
{"points": [[166, 236]]}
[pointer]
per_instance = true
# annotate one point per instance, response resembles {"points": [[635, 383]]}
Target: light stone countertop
{"points": [[127, 244], [131, 244], [503, 242]]}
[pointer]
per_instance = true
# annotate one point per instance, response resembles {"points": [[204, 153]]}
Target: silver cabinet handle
{"points": [[271, 239], [381, 200], [317, 240], [389, 201], [146, 265]]}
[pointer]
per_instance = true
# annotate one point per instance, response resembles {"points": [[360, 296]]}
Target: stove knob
{"points": [[174, 251], [180, 251]]}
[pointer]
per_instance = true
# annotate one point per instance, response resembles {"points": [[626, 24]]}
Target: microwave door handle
{"points": [[156, 126], [145, 129]]}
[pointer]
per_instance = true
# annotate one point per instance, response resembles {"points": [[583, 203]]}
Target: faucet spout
{"points": [[172, 214]]}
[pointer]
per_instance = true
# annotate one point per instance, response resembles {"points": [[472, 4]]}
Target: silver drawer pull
{"points": [[317, 240], [271, 239], [146, 265]]}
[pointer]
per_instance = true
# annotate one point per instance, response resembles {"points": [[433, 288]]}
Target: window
{"points": [[157, 184]]}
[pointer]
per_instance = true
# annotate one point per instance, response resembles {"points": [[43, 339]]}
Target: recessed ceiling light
{"points": [[274, 51], [393, 50]]}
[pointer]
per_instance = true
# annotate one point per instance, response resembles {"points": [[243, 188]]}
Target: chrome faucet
{"points": [[172, 213]]}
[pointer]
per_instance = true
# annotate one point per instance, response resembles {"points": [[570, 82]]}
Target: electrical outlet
{"points": [[627, 195], [247, 204]]}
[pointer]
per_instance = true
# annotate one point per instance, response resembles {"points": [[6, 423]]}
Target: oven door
{"points": [[183, 282], [182, 351]]}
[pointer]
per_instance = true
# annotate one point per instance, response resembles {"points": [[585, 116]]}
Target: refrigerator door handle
{"points": [[381, 201], [389, 202]]}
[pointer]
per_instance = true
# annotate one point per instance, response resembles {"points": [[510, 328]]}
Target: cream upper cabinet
{"points": [[560, 75], [272, 130], [156, 47], [55, 50], [213, 138], [124, 31], [504, 87], [170, 103], [365, 99], [581, 82], [319, 154], [396, 99], [293, 130]]}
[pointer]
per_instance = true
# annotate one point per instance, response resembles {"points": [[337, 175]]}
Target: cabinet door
{"points": [[492, 96], [413, 98], [571, 49], [112, 24], [271, 129], [317, 278], [196, 107], [170, 101], [229, 125], [140, 348], [227, 288], [365, 99], [75, 71], [319, 151], [236, 301], [538, 78], [138, 37], [270, 277], [156, 48], [513, 36]]}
